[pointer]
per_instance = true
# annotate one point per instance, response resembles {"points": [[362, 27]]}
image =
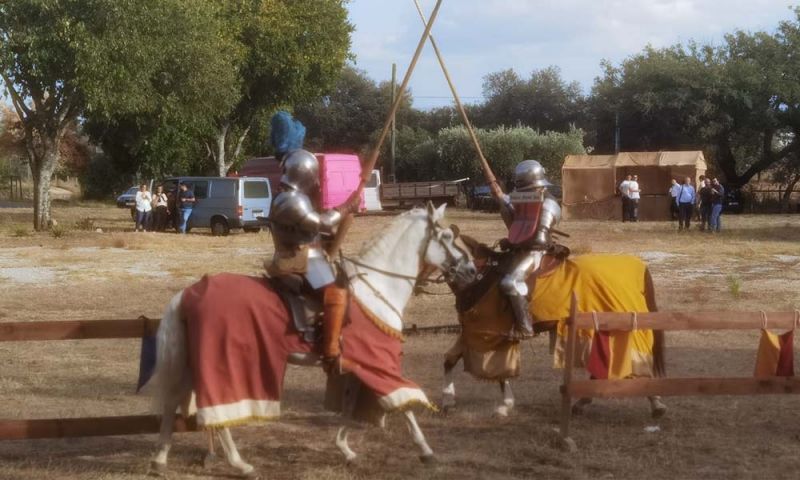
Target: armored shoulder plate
{"points": [[293, 218]]}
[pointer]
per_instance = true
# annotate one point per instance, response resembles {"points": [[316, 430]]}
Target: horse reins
{"points": [[415, 280]]}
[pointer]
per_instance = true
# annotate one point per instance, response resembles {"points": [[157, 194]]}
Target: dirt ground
{"points": [[753, 264]]}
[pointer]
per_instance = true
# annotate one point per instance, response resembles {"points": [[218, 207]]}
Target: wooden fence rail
{"points": [[644, 387], [102, 426]]}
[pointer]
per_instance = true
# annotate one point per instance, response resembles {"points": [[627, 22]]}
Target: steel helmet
{"points": [[529, 174], [300, 171]]}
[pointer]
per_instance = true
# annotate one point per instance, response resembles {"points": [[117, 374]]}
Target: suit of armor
{"points": [[530, 213], [296, 232]]}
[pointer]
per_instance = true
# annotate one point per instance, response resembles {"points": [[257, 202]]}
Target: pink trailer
{"points": [[339, 175]]}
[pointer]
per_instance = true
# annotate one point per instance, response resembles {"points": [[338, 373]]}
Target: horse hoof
{"points": [[251, 474], [351, 461], [502, 411], [577, 409], [659, 412], [428, 459], [157, 469], [209, 459], [569, 445]]}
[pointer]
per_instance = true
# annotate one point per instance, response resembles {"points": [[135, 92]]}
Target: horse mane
{"points": [[382, 244]]}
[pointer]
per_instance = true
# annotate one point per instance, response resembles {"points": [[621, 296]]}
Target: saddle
{"points": [[302, 303], [497, 264]]}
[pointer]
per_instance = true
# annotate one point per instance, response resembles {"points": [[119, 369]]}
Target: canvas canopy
{"points": [[590, 182]]}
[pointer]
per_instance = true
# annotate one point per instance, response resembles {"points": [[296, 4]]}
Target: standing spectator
{"points": [[633, 199], [699, 204], [673, 194], [186, 201], [717, 201], [160, 209], [144, 207], [704, 194], [686, 201], [624, 190]]}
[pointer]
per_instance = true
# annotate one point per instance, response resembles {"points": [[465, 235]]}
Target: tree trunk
{"points": [[787, 193], [221, 148], [43, 164], [219, 155]]}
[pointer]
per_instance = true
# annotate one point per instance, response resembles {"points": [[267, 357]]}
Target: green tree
{"points": [[349, 117], [61, 59], [451, 153], [294, 51], [544, 101], [739, 102]]}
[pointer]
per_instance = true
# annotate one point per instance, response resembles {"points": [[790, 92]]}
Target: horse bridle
{"points": [[451, 265]]}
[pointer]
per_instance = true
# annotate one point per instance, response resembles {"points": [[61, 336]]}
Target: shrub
{"points": [[734, 286], [57, 231], [85, 224]]}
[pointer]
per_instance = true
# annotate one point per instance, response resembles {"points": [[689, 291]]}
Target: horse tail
{"points": [[171, 375], [659, 343]]}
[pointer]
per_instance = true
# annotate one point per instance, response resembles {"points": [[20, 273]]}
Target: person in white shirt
{"points": [[144, 207], [160, 210], [633, 199], [624, 189], [674, 190]]}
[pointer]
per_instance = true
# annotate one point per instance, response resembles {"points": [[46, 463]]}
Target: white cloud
{"points": [[482, 36]]}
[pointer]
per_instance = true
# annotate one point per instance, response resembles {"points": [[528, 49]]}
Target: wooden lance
{"points": [[366, 169], [497, 192]]}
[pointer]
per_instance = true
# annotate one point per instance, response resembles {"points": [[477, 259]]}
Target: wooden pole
{"points": [[497, 192], [646, 387], [77, 329], [88, 427], [566, 393], [366, 169], [691, 321], [392, 141]]}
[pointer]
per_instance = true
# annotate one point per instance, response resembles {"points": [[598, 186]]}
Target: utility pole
{"points": [[393, 178], [616, 133]]}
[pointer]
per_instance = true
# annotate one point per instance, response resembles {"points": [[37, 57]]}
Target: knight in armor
{"points": [[529, 212], [297, 229]]}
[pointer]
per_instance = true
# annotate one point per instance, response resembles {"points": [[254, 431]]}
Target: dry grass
{"points": [[121, 274]]}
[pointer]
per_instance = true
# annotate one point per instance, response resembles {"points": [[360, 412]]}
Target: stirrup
{"points": [[519, 335]]}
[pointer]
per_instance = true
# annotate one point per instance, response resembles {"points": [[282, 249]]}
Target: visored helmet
{"points": [[300, 171], [528, 175]]}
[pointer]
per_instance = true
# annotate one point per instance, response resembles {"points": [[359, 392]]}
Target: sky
{"points": [[478, 37]]}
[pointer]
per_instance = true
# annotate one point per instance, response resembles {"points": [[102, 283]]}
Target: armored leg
{"points": [[514, 286], [522, 317], [335, 307]]}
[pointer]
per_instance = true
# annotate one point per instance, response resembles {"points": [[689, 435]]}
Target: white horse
{"points": [[382, 279]]}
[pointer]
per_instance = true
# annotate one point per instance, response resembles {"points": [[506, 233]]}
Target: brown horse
{"points": [[602, 283]]}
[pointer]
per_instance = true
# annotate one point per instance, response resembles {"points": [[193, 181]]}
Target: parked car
{"points": [[128, 198], [224, 203], [734, 199]]}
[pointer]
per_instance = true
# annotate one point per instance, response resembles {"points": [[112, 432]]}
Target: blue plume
{"points": [[298, 135], [286, 133]]}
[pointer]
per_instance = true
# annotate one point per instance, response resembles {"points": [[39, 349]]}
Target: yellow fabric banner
{"points": [[602, 283]]}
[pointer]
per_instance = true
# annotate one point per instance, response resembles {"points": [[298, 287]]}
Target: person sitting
{"points": [[529, 212], [297, 226]]}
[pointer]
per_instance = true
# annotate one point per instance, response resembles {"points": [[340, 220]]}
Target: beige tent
{"points": [[589, 182]]}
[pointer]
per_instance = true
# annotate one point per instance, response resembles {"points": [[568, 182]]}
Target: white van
{"points": [[223, 203], [372, 192]]}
